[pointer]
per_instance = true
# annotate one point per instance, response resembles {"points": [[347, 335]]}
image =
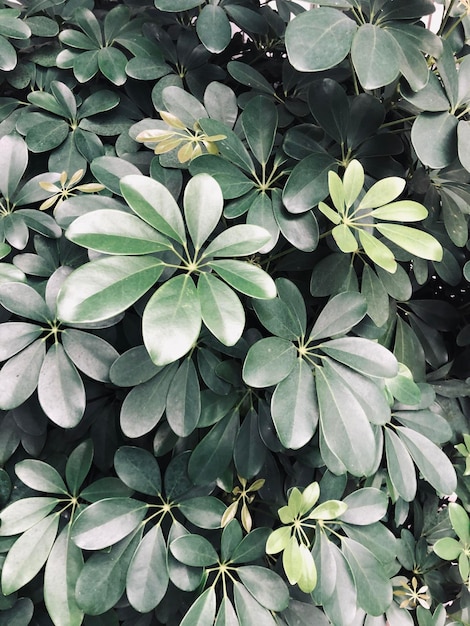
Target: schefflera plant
{"points": [[357, 215], [157, 238]]}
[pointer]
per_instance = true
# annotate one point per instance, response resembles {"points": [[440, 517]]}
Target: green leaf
{"points": [[226, 615], [78, 465], [213, 453], [418, 242], [14, 336], [103, 288], [61, 391], [340, 314], [147, 577], [433, 464], [91, 354], [133, 367], [269, 361], [375, 56], [98, 102], [460, 521], [294, 407], [259, 122], [239, 240], [329, 105], [112, 63], [203, 511], [434, 137], [368, 574], [278, 540], [40, 476], [376, 297], [231, 146], [145, 404], [245, 277], [202, 611], [448, 548], [213, 28], [331, 509], [8, 57], [183, 105], [13, 163], [365, 506], [265, 586], [307, 184], [24, 514], [194, 550], [345, 427], [342, 601], [378, 252], [233, 182], [102, 580], [115, 232], [319, 39], [250, 452], [151, 201], [463, 143], [284, 316], [381, 193], [106, 522], [203, 206], [249, 610], [63, 567], [19, 376], [28, 554], [109, 171], [183, 405], [138, 469], [172, 320], [362, 355], [247, 75], [221, 309], [300, 230], [25, 301], [47, 135]]}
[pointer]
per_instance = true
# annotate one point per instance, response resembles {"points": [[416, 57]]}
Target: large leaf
{"points": [[269, 361], [60, 577], [203, 205], [25, 513], [213, 28], [138, 469], [90, 353], [213, 453], [194, 550], [418, 242], [40, 476], [221, 309], [106, 522], [61, 391], [319, 39], [151, 201], [147, 577], [28, 554], [14, 336], [245, 277], [249, 610], [368, 574], [265, 586], [183, 405], [239, 240], [115, 232], [345, 427], [202, 612], [112, 63], [259, 122], [434, 137], [329, 105], [25, 301], [307, 184], [362, 355], [339, 315], [376, 56], [101, 289], [433, 464], [294, 407], [13, 162], [19, 376], [172, 320]]}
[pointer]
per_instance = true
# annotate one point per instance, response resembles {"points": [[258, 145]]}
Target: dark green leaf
{"points": [[339, 315], [252, 546], [203, 511], [133, 367], [213, 453], [376, 56], [307, 184], [112, 63], [194, 550], [265, 586], [259, 122], [13, 162], [233, 182], [78, 465], [183, 406], [109, 170], [269, 361], [249, 452], [247, 75], [202, 611], [213, 28], [329, 105], [434, 137], [362, 355], [138, 469], [400, 466], [294, 407], [249, 610], [147, 576], [47, 135]]}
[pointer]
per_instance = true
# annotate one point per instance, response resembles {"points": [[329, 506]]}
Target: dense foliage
{"points": [[235, 324]]}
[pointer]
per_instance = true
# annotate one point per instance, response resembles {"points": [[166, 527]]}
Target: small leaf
{"points": [[460, 521], [203, 205], [418, 242], [194, 550], [138, 469], [221, 309], [448, 548], [269, 361]]}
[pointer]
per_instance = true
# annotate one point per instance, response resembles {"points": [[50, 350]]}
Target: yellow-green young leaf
{"points": [[448, 548], [353, 182], [229, 514], [308, 577], [331, 509], [344, 238], [336, 189], [378, 252], [245, 517], [295, 501], [401, 211], [329, 213], [292, 560], [464, 566], [412, 240], [382, 192], [310, 496], [286, 514], [278, 540]]}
